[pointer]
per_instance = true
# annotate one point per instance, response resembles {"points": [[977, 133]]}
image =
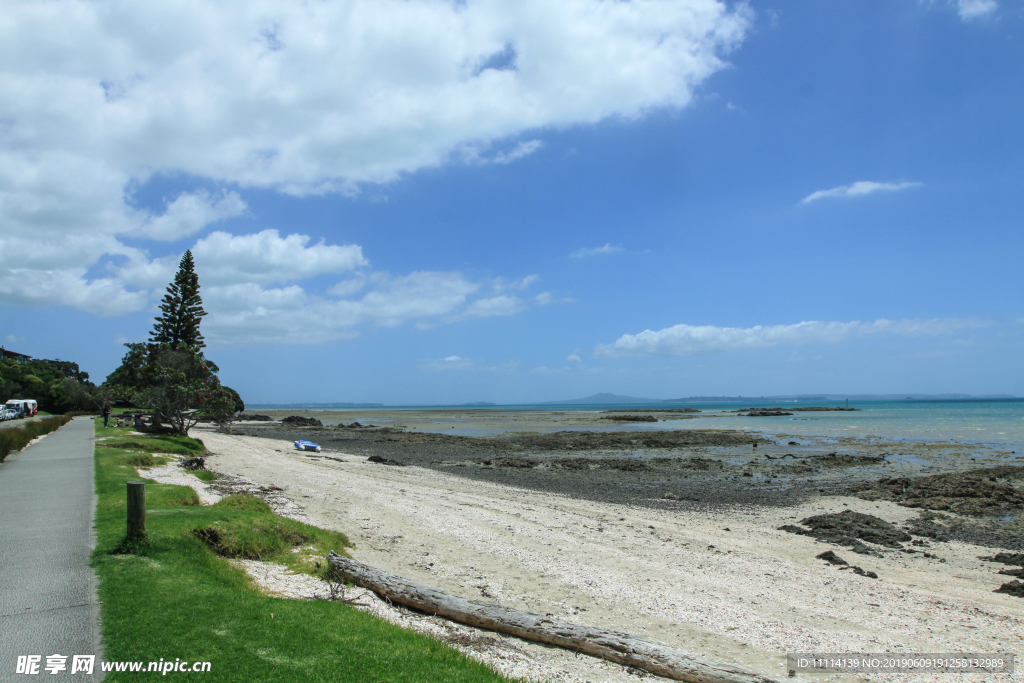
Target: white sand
{"points": [[745, 595]]}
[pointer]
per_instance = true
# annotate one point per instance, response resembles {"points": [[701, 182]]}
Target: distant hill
{"points": [[607, 398], [598, 399]]}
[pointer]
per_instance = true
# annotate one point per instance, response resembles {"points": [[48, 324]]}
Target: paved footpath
{"points": [[48, 599]]}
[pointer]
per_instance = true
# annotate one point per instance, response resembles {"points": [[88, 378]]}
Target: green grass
{"points": [[240, 501], [206, 475], [174, 597]]}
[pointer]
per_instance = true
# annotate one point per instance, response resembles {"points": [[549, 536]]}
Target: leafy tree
{"points": [[182, 387], [182, 310], [58, 386]]}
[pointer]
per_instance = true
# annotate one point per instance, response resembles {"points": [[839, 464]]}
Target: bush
{"points": [[16, 438]]}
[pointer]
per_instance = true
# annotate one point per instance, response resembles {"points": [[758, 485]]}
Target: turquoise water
{"points": [[998, 422]]}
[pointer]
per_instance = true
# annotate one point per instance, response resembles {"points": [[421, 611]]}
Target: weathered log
{"points": [[614, 646]]}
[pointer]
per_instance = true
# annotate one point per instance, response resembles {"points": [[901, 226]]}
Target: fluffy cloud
{"points": [[972, 9], [856, 189], [244, 314], [266, 257], [595, 251], [189, 213], [691, 340], [302, 98]]}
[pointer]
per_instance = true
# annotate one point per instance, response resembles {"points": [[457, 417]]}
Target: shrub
{"points": [[16, 438]]}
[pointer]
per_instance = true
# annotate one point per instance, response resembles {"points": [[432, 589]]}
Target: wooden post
{"points": [[136, 508]]}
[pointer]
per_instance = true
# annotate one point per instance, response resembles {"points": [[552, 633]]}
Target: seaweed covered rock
{"points": [[849, 528], [299, 421], [977, 493]]}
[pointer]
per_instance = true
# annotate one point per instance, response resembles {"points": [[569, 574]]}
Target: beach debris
{"points": [[193, 464], [671, 496], [1014, 588], [966, 493], [849, 528], [861, 572], [834, 559], [299, 421], [304, 445], [615, 646], [830, 557]]}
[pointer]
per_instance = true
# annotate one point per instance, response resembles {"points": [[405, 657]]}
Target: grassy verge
{"points": [[174, 597], [16, 438]]}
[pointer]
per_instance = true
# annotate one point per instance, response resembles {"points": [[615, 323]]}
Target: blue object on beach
{"points": [[307, 446]]}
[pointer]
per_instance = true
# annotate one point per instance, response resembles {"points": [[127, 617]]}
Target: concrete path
{"points": [[48, 599]]}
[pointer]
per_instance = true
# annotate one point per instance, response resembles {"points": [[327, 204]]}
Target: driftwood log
{"points": [[614, 646]]}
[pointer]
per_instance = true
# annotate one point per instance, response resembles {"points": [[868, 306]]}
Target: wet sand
{"points": [[671, 540]]}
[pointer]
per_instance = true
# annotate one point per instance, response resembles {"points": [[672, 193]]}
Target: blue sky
{"points": [[426, 202]]}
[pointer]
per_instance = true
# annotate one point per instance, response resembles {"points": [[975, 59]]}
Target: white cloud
{"points": [[545, 298], [500, 284], [691, 340], [575, 357], [189, 213], [302, 98], [972, 9], [595, 251], [495, 305], [856, 189], [266, 257], [521, 150]]}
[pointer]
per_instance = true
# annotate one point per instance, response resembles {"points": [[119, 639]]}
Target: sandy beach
{"points": [[721, 581]]}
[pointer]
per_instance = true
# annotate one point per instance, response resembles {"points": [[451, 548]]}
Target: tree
{"points": [[182, 310], [169, 374], [183, 387]]}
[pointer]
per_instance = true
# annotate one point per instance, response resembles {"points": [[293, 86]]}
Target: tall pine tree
{"points": [[182, 310]]}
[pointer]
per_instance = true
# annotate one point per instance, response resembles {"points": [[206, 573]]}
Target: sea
{"points": [[997, 423]]}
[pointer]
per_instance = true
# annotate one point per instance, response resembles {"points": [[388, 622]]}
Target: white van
{"points": [[24, 407]]}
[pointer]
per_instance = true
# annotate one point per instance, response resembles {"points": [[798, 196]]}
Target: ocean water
{"points": [[995, 422]]}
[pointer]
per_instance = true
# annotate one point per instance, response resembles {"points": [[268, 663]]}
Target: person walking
{"points": [[106, 413]]}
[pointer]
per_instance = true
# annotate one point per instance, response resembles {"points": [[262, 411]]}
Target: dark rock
{"points": [[382, 460], [299, 421], [194, 464], [966, 493], [861, 572], [793, 443], [1019, 573], [255, 418], [1014, 588], [764, 413], [849, 528], [631, 418], [1006, 558], [831, 557]]}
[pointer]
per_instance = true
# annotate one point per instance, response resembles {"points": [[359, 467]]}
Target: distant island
{"points": [[608, 398]]}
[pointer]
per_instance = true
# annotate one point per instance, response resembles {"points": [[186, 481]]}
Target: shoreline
{"points": [[717, 580]]}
